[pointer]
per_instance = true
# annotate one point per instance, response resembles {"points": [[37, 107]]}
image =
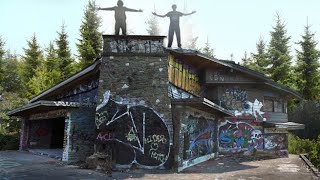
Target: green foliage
{"points": [[207, 50], [2, 52], [302, 146], [32, 59], [314, 154], [66, 62], [10, 100], [259, 60], [307, 68], [246, 61], [308, 113], [9, 141], [297, 145], [278, 52], [90, 44], [42, 80], [153, 26], [11, 78]]}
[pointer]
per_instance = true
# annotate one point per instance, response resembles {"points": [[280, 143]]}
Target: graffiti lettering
{"points": [[132, 135], [135, 125], [133, 46], [158, 156], [105, 136], [234, 99], [155, 139]]}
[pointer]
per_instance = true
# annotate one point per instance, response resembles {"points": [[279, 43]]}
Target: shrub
{"points": [[9, 141], [301, 146]]}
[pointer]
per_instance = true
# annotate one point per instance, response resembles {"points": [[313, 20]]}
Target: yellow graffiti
{"points": [[183, 76]]}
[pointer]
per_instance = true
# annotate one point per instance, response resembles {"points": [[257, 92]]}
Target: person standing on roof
{"points": [[120, 16], [174, 27]]}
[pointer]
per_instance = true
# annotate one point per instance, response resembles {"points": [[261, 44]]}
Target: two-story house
{"points": [[153, 107]]}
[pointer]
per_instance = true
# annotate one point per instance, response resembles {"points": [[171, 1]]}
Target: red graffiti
{"points": [[105, 136], [42, 132], [203, 136]]}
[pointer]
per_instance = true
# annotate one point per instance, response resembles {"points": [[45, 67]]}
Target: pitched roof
{"points": [[233, 65], [58, 86]]}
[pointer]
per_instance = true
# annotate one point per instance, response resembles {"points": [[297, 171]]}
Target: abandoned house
{"points": [[161, 108]]}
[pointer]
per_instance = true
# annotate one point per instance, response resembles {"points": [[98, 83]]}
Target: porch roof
{"points": [[285, 125], [202, 104], [42, 106]]}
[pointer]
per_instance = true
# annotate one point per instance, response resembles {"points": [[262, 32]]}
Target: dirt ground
{"points": [[23, 165]]}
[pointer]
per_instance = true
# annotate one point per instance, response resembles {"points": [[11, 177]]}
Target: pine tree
{"points": [[52, 61], [246, 61], [66, 62], [11, 78], [260, 58], [192, 43], [278, 52], [2, 52], [307, 68], [32, 59], [90, 44], [207, 50], [39, 82], [153, 26], [52, 65]]}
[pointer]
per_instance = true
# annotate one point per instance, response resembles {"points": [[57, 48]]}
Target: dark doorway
{"points": [[57, 133]]}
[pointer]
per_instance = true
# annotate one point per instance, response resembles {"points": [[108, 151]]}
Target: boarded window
{"points": [[278, 106], [268, 105]]}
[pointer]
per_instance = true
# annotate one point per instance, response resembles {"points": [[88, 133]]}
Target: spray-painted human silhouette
{"points": [[174, 24], [120, 16]]}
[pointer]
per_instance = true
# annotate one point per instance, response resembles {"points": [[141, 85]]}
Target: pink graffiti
{"points": [[105, 136]]}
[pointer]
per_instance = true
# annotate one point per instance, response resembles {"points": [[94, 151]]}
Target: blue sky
{"points": [[231, 26]]}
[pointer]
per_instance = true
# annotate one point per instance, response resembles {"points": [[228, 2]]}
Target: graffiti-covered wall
{"points": [[133, 116], [197, 137], [79, 134], [40, 134], [239, 135]]}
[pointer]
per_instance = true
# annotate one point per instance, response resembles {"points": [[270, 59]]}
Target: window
{"points": [[274, 105]]}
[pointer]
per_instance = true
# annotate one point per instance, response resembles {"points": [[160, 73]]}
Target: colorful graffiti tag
{"points": [[199, 136], [277, 144], [240, 136], [234, 99], [141, 135]]}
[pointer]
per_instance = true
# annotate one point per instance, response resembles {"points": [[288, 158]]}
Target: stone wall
{"points": [[40, 134], [80, 132], [134, 110]]}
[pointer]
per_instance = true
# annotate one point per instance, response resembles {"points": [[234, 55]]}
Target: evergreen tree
{"points": [[66, 62], [2, 52], [90, 44], [39, 82], [307, 68], [31, 60], [246, 61], [52, 66], [278, 51], [11, 78], [52, 61], [153, 26], [207, 50], [260, 59]]}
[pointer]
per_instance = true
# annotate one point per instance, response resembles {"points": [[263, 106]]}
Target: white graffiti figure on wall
{"points": [[137, 127], [253, 109]]}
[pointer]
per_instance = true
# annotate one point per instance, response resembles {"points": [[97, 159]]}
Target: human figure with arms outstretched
{"points": [[120, 16], [174, 27]]}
